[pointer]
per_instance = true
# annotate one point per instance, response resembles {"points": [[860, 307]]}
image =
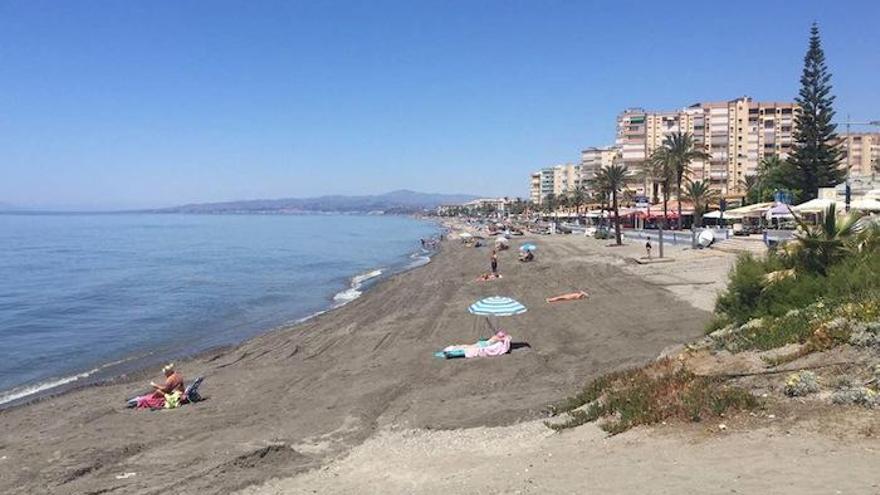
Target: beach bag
{"points": [[172, 400]]}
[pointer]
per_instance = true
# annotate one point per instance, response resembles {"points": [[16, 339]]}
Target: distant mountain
{"points": [[401, 201]]}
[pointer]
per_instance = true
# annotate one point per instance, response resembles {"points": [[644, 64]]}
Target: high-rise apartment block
{"points": [[556, 180], [865, 149], [736, 134], [593, 159]]}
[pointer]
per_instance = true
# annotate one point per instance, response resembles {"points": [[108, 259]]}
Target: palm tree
{"points": [[578, 198], [680, 149], [700, 194], [661, 170], [868, 238], [749, 184], [774, 174], [550, 203], [815, 248], [614, 178]]}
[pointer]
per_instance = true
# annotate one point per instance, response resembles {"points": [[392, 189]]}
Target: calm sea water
{"points": [[79, 293]]}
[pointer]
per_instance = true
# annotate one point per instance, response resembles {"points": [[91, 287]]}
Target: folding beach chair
{"points": [[191, 393]]}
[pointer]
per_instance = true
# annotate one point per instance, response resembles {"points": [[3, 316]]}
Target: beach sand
{"points": [[353, 401], [666, 459]]}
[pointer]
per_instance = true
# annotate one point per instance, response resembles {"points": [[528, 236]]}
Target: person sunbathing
{"points": [[495, 345], [488, 276], [526, 256], [156, 399], [573, 296]]}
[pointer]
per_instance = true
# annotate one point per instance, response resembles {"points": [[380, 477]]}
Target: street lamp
{"points": [[848, 190]]}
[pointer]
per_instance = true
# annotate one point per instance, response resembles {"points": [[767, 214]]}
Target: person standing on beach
{"points": [[648, 248], [494, 262]]}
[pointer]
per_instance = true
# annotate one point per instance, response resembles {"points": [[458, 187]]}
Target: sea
{"points": [[83, 296]]}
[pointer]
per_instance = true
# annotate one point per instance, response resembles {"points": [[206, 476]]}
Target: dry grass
{"points": [[649, 395]]}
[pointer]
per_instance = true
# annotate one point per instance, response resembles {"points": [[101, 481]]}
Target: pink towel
{"points": [[475, 350], [496, 349], [151, 401]]}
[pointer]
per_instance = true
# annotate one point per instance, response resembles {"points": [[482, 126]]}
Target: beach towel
{"points": [[480, 349], [151, 401]]}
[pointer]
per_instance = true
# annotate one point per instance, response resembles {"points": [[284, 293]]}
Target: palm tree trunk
{"points": [[616, 218], [665, 207], [678, 185]]}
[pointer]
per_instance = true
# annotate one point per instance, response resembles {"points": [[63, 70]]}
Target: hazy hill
{"points": [[402, 201]]}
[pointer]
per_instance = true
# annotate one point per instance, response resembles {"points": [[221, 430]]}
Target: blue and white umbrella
{"points": [[497, 306], [528, 247]]}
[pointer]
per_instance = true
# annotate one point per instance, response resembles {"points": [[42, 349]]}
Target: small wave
{"points": [[354, 292], [27, 390], [358, 280], [309, 317], [417, 261]]}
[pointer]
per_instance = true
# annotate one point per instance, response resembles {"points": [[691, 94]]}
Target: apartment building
{"points": [[865, 151], [593, 159], [565, 178], [556, 180], [737, 134], [639, 133], [535, 187]]}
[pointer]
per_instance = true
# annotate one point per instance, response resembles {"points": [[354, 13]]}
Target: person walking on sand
{"points": [[494, 262], [648, 248]]}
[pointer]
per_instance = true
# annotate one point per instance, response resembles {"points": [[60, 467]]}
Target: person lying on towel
{"points": [[573, 296], [167, 395], [495, 345]]}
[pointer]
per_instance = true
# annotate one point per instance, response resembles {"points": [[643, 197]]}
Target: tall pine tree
{"points": [[816, 154]]}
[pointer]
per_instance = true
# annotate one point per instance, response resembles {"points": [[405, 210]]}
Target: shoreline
{"points": [[137, 364], [291, 400]]}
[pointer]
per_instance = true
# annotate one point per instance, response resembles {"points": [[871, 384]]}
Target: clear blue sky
{"points": [[119, 104]]}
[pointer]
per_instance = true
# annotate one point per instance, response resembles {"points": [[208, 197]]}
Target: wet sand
{"points": [[298, 398]]}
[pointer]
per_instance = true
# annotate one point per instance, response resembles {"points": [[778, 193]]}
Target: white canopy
{"points": [[865, 204], [727, 215], [756, 210], [817, 205]]}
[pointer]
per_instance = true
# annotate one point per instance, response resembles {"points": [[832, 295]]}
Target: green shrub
{"points": [[751, 295], [650, 395], [744, 289]]}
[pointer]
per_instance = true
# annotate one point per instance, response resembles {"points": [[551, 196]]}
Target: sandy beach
{"points": [[353, 401]]}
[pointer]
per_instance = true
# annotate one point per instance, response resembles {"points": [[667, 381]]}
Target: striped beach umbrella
{"points": [[497, 306]]}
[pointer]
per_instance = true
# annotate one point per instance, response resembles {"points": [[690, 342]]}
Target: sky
{"points": [[116, 105]]}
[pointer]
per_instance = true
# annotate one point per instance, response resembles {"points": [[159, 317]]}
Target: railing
{"points": [[688, 237]]}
